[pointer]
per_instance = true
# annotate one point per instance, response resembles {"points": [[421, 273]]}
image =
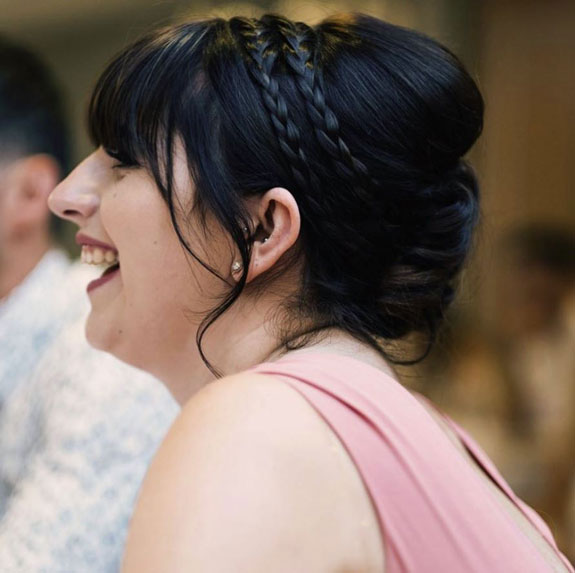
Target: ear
{"points": [[31, 180], [278, 220]]}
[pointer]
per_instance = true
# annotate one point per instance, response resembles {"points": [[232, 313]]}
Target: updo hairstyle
{"points": [[364, 122]]}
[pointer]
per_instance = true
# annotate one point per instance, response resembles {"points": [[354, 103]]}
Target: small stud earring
{"points": [[236, 267], [265, 239]]}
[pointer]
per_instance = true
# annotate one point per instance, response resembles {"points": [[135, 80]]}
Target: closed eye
{"points": [[123, 160]]}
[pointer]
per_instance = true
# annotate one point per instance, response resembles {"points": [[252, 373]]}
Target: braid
{"points": [[256, 42], [300, 57], [256, 38]]}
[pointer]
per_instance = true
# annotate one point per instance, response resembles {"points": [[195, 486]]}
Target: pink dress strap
{"points": [[491, 470], [434, 511]]}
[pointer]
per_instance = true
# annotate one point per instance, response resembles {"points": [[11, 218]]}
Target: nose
{"points": [[76, 198]]}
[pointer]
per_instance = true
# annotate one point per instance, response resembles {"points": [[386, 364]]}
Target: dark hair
{"points": [[363, 121], [32, 116]]}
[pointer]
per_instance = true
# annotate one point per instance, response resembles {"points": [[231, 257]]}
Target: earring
{"points": [[237, 265]]}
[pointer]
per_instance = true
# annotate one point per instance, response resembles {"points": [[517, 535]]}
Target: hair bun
{"points": [[435, 248]]}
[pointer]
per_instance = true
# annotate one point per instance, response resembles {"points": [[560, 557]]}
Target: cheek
{"points": [[138, 222], [159, 279], [132, 210]]}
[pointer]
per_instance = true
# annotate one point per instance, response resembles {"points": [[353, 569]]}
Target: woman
{"points": [[278, 206]]}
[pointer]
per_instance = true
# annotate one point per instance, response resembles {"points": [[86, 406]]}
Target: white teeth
{"points": [[98, 256]]}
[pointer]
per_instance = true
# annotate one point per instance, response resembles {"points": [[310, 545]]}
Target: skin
{"points": [[149, 314], [249, 474], [25, 184], [203, 485]]}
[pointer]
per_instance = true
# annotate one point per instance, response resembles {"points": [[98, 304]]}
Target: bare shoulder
{"points": [[244, 478], [240, 406], [249, 414]]}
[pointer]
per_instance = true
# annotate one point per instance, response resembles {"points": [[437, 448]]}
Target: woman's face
{"points": [[146, 312]]}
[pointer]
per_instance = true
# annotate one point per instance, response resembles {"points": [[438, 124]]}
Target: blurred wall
{"points": [[526, 155], [527, 74]]}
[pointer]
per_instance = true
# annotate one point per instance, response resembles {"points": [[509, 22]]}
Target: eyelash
{"points": [[124, 162]]}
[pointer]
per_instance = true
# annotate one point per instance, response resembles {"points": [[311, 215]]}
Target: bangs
{"points": [[136, 100]]}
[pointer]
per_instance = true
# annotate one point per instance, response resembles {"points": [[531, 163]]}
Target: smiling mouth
{"points": [[101, 257]]}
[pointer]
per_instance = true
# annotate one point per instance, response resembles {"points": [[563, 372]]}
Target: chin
{"points": [[112, 340], [103, 337], [99, 338]]}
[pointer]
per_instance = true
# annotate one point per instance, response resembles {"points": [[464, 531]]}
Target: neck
{"points": [[17, 261], [239, 340]]}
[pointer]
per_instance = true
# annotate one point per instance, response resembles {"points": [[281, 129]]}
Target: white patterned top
{"points": [[77, 430]]}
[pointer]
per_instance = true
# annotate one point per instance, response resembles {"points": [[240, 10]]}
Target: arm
{"points": [[238, 486]]}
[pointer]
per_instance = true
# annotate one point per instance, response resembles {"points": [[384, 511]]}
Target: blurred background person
{"points": [[513, 384], [536, 335], [77, 427]]}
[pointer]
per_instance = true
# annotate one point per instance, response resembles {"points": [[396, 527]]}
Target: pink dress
{"points": [[435, 512]]}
